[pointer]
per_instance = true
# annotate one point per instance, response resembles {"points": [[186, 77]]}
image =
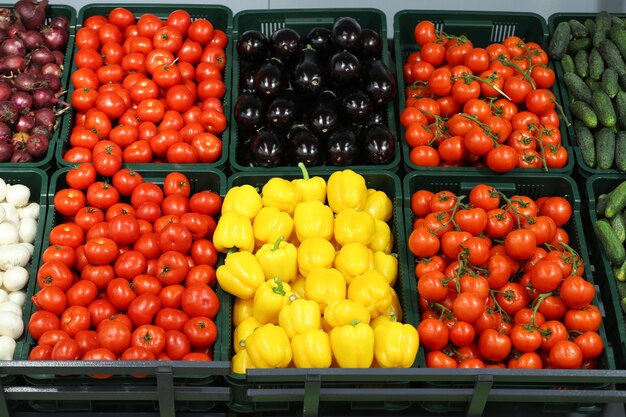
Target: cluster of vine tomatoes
{"points": [[490, 106], [129, 271], [147, 90], [498, 283]]}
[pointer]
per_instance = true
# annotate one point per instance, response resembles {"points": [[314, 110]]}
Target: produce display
{"points": [[317, 99], [592, 56], [610, 229], [310, 265], [498, 284], [129, 271], [18, 229], [472, 106], [147, 90], [32, 52]]}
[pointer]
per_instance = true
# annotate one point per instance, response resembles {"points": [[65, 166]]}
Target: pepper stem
{"points": [[305, 172], [353, 323], [232, 250], [277, 243], [279, 289]]}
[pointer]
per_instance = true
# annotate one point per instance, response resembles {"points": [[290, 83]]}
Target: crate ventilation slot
{"points": [[267, 28], [501, 31]]}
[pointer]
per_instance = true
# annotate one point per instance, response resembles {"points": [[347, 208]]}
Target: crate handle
{"points": [[308, 21], [481, 394], [312, 387]]}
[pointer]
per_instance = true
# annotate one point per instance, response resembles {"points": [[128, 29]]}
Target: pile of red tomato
{"points": [[129, 271], [498, 284], [147, 90], [467, 106]]}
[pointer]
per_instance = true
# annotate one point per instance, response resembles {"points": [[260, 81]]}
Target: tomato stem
{"points": [[536, 305], [526, 74], [486, 81]]}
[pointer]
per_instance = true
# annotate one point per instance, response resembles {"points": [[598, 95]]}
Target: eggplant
{"points": [[303, 146], [378, 116], [356, 107], [346, 33], [308, 77], [371, 43], [281, 113], [378, 144], [285, 44], [247, 78], [324, 118], [342, 148], [252, 46], [321, 40], [267, 148], [379, 82], [269, 79], [249, 112], [344, 67]]}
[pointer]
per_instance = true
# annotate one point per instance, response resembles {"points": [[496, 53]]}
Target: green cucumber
{"points": [[603, 25], [596, 64], [618, 224], [620, 150], [560, 40], [603, 108], [618, 36], [610, 84], [617, 201], [620, 108], [620, 272], [567, 62], [578, 45], [612, 57], [577, 88], [584, 112], [577, 29], [605, 148], [586, 143], [613, 248], [594, 85], [581, 61], [601, 204], [590, 24]]}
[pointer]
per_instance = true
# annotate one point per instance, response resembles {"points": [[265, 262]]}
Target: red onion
{"points": [[45, 117], [52, 81], [61, 22], [12, 64], [8, 112], [21, 155], [37, 146], [23, 101], [3, 34], [5, 133], [44, 97], [6, 18], [12, 46], [52, 68], [32, 39], [55, 38], [26, 82], [5, 91], [41, 56], [31, 13], [6, 151], [41, 130], [59, 57], [25, 123], [15, 28]]}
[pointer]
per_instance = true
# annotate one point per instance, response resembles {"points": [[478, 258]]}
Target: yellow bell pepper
{"points": [[382, 319], [241, 333], [372, 291], [282, 194], [270, 224], [240, 275], [313, 219], [342, 312], [269, 299], [395, 345], [244, 200], [311, 349], [297, 286], [269, 347], [382, 241], [242, 309], [233, 230], [353, 345], [299, 316], [386, 264], [310, 188], [394, 310], [315, 252], [241, 361], [325, 285], [354, 259], [346, 189], [378, 205], [279, 260], [353, 226]]}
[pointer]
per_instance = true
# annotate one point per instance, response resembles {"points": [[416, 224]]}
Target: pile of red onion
{"points": [[31, 59]]}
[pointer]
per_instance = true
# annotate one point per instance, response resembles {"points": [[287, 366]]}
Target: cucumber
{"points": [[567, 62], [590, 24], [601, 204], [616, 21], [617, 201], [622, 81], [559, 41], [596, 64], [594, 85], [620, 150], [586, 142], [620, 272], [603, 108], [618, 35], [618, 224], [605, 148], [581, 61], [578, 45], [612, 246], [610, 84], [577, 87], [603, 25], [577, 29], [620, 108], [612, 57], [584, 113]]}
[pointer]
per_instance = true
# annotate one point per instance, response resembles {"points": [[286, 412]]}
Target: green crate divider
{"points": [[220, 16], [405, 287], [534, 186], [54, 10], [37, 181], [482, 28], [302, 21], [200, 179], [583, 169], [612, 290]]}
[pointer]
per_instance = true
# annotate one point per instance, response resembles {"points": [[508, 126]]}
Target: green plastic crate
{"points": [[534, 186], [482, 28], [612, 290], [582, 168], [220, 16], [37, 181], [200, 179], [405, 287], [46, 162], [302, 21]]}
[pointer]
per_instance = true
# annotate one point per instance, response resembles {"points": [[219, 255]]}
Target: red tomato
{"points": [[143, 309], [201, 332]]}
